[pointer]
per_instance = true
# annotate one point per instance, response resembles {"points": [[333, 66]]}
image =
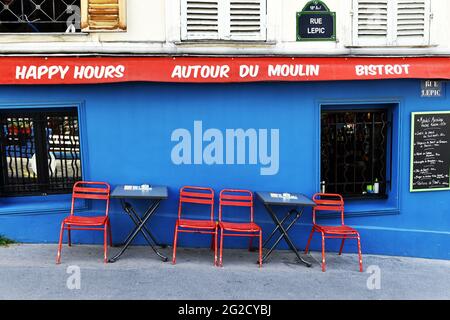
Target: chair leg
{"points": [[221, 248], [342, 245], [215, 246], [58, 255], [323, 253], [360, 255], [110, 234], [260, 248], [250, 247], [212, 243], [309, 241], [105, 244], [69, 238], [175, 238]]}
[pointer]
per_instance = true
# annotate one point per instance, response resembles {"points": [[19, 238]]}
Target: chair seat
{"points": [[86, 221], [196, 224], [342, 229], [240, 226]]}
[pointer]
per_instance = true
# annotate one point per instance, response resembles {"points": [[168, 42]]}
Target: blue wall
{"points": [[126, 138]]}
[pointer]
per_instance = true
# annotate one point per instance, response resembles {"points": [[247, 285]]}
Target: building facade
{"points": [[265, 95]]}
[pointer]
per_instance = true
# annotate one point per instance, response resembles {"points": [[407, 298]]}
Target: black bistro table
{"points": [[297, 202], [154, 195]]}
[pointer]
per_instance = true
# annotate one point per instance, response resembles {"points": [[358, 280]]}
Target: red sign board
{"points": [[90, 70]]}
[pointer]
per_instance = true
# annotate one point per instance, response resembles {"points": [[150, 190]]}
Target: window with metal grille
{"points": [[40, 151], [354, 152], [28, 16], [391, 23], [223, 20]]}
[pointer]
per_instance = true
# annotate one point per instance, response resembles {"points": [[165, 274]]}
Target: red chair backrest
{"points": [[91, 190], [328, 202], [236, 198], [197, 195]]}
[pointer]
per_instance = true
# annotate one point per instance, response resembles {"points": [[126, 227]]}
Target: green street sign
{"points": [[316, 23]]}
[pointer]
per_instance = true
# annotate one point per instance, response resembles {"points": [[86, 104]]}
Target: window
{"points": [[40, 151], [223, 20], [61, 16], [391, 22], [355, 151], [30, 16]]}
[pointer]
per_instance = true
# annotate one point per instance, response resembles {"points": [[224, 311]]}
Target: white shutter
{"points": [[199, 19], [371, 22], [223, 20], [391, 22], [247, 19], [413, 20]]}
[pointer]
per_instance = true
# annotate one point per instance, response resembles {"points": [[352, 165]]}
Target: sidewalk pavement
{"points": [[29, 272]]}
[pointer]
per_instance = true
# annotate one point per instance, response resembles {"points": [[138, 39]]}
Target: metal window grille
{"points": [[18, 16], [354, 152], [40, 151]]}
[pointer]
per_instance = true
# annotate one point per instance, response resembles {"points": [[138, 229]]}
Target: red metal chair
{"points": [[238, 198], [90, 191], [333, 202], [199, 196]]}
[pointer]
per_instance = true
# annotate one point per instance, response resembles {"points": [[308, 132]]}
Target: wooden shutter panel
{"points": [[247, 19], [371, 22], [107, 15], [413, 19], [199, 19]]}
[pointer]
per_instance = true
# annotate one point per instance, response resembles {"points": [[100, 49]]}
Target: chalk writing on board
{"points": [[431, 151]]}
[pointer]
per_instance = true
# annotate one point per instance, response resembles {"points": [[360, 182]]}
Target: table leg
{"points": [[286, 229], [137, 221], [130, 210], [285, 235], [281, 235], [127, 207], [150, 211], [279, 223], [278, 227]]}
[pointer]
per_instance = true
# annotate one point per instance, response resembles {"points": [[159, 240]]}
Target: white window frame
{"points": [[392, 38]]}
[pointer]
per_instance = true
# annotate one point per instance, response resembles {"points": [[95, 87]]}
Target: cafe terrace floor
{"points": [[29, 272]]}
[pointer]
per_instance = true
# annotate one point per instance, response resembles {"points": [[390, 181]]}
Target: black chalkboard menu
{"points": [[430, 151]]}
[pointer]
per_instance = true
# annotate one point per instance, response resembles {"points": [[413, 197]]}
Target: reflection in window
{"points": [[31, 16], [354, 152], [39, 151]]}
